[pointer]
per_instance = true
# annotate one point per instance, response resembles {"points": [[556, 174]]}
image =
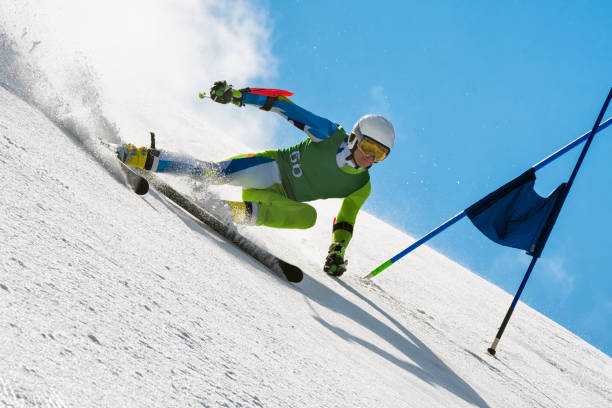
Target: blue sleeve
{"points": [[316, 127]]}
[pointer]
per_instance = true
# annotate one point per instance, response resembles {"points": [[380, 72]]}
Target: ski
{"points": [[280, 267], [136, 182]]}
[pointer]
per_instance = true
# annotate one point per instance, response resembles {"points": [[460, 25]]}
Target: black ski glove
{"points": [[221, 92], [335, 264]]}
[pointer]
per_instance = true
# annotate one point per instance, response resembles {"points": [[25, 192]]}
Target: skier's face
{"points": [[363, 160]]}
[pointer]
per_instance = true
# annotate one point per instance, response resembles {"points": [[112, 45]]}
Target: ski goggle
{"points": [[369, 146]]}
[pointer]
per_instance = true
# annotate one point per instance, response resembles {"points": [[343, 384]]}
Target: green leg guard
{"points": [[275, 210]]}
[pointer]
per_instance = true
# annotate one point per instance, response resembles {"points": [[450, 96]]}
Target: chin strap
{"points": [[352, 149]]}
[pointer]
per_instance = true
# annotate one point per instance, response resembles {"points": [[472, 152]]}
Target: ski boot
{"points": [[142, 157], [243, 212]]}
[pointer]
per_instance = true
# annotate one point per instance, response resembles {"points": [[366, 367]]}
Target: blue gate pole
{"points": [[491, 349], [462, 214], [590, 139], [570, 146], [551, 221], [417, 244]]}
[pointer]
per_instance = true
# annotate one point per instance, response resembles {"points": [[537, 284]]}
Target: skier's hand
{"points": [[335, 264], [222, 92]]}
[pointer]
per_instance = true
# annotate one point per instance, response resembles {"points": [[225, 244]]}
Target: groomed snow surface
{"points": [[108, 299]]}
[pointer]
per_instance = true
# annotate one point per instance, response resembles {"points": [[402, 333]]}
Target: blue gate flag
{"points": [[515, 215]]}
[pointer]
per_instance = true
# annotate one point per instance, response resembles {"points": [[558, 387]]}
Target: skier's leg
{"points": [[255, 170], [251, 171], [265, 201], [162, 161], [274, 209], [271, 207], [178, 163]]}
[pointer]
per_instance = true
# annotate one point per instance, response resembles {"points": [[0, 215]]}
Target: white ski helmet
{"points": [[375, 127]]}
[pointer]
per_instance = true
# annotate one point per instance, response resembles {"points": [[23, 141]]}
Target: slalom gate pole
{"points": [[588, 143], [570, 146], [417, 244], [491, 349], [462, 214], [552, 221]]}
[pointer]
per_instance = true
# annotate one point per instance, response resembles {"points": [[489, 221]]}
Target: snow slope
{"points": [[111, 299]]}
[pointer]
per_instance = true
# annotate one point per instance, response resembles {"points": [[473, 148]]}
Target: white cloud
{"points": [[551, 270], [555, 271], [499, 266], [141, 55]]}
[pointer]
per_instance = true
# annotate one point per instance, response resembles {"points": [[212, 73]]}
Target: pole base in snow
{"points": [[491, 349]]}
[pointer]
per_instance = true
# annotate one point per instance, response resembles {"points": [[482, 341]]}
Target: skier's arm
{"points": [[345, 221], [335, 263], [316, 127]]}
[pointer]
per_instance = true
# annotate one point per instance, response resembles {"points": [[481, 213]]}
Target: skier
{"points": [[276, 183]]}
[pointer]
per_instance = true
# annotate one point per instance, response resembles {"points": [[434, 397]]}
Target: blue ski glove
{"points": [[222, 92], [335, 264]]}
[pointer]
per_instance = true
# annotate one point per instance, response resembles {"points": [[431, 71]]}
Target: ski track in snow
{"points": [[110, 299]]}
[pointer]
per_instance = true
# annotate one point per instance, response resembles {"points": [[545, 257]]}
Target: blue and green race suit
{"points": [[281, 181]]}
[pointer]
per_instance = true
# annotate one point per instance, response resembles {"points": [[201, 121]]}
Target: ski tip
{"points": [[292, 272], [136, 182], [142, 188]]}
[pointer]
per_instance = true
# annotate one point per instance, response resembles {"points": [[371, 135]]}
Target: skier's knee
{"points": [[308, 217]]}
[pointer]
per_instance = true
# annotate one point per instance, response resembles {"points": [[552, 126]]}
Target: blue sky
{"points": [[478, 93]]}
